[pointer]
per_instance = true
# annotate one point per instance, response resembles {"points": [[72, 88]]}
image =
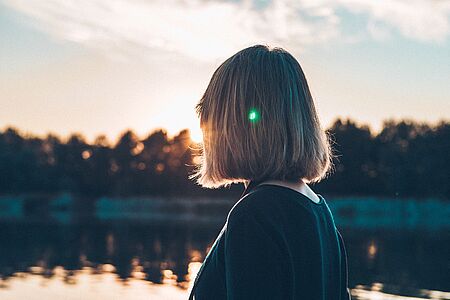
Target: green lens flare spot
{"points": [[253, 115]]}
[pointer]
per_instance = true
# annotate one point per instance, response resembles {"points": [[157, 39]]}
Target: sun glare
{"points": [[196, 134]]}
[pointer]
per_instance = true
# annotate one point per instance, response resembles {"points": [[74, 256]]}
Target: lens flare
{"points": [[253, 115]]}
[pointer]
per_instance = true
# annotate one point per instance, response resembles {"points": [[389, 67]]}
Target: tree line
{"points": [[405, 159]]}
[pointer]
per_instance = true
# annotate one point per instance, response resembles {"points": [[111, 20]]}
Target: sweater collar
{"points": [[252, 184]]}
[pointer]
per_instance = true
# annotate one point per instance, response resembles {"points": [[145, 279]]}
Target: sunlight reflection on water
{"points": [[89, 284], [375, 292]]}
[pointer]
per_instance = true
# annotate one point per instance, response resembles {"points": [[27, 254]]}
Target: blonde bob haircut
{"points": [[259, 122]]}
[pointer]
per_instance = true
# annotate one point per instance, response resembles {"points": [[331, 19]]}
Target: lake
{"points": [[141, 258]]}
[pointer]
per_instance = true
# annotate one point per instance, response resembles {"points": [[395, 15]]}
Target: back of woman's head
{"points": [[259, 122]]}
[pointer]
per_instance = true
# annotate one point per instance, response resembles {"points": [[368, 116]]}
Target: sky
{"points": [[105, 66]]}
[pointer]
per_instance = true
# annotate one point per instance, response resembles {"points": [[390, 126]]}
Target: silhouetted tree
{"points": [[405, 159]]}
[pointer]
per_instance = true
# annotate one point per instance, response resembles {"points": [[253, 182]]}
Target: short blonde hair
{"points": [[259, 122]]}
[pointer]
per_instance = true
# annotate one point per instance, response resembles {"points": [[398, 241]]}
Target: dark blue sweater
{"points": [[275, 244]]}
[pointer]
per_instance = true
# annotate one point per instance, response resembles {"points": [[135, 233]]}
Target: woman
{"points": [[260, 127]]}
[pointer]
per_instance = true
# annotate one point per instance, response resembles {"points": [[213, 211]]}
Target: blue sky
{"points": [[103, 66]]}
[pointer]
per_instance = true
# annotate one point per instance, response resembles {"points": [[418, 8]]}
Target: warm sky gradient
{"points": [[102, 66]]}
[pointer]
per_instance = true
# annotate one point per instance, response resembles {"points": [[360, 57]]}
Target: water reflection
{"points": [[378, 291], [87, 285], [162, 259], [149, 249], [372, 250]]}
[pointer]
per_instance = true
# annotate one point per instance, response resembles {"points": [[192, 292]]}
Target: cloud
{"points": [[422, 20], [211, 30]]}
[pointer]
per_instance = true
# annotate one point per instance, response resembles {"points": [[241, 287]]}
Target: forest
{"points": [[405, 159]]}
